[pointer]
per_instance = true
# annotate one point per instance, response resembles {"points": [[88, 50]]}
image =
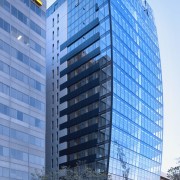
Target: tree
{"points": [[66, 173], [39, 175], [174, 172], [122, 159]]}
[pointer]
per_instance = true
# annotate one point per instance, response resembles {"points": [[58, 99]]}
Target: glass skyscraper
{"points": [[22, 88], [104, 88]]}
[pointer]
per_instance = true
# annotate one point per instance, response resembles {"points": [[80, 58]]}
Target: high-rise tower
{"points": [[22, 87], [104, 88]]}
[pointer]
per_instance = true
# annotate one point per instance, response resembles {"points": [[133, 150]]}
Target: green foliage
{"points": [[83, 173], [66, 173], [39, 175], [174, 172]]}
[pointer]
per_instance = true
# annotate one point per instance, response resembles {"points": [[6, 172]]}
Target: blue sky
{"points": [[167, 17]]}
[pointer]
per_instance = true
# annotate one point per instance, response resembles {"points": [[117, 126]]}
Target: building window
{"points": [[57, 18], [57, 83], [52, 163], [53, 22], [57, 136], [53, 35], [53, 73], [58, 71], [58, 44], [58, 31], [52, 99], [58, 57], [53, 48]]}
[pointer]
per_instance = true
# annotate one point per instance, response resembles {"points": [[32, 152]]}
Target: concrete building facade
{"points": [[22, 87], [56, 34]]}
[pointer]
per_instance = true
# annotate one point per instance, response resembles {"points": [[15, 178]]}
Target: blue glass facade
{"points": [[136, 140], [22, 88], [113, 119]]}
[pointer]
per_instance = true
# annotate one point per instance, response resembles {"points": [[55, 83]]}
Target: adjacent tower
{"points": [[104, 88], [22, 87]]}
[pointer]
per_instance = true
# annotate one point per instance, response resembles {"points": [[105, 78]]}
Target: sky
{"points": [[167, 18], [167, 14]]}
